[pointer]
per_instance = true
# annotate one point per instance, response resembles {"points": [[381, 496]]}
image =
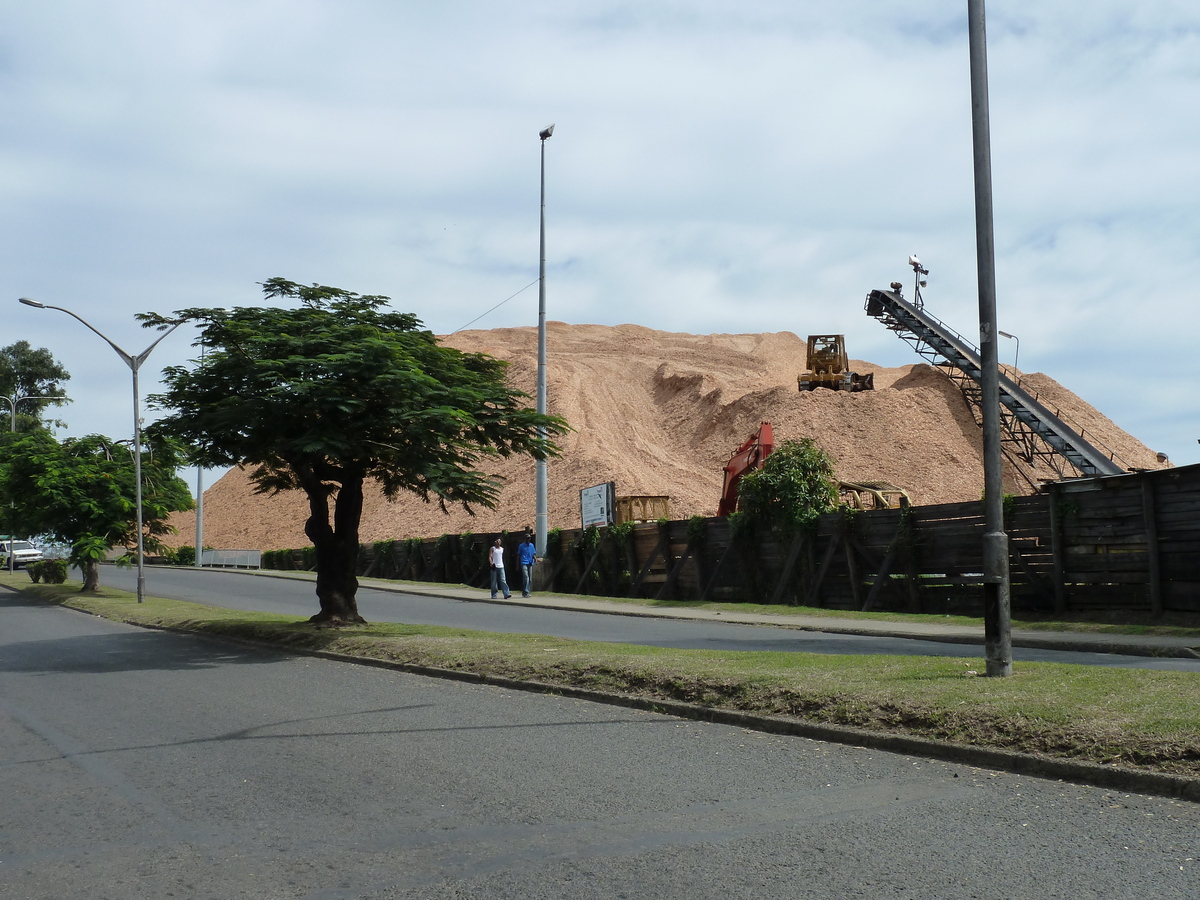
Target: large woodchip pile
{"points": [[660, 413]]}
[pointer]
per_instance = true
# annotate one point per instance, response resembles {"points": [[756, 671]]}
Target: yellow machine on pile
{"points": [[829, 367]]}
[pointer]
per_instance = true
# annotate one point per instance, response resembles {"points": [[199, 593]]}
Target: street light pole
{"points": [[134, 363], [12, 405], [198, 562], [1017, 354], [542, 512], [997, 624]]}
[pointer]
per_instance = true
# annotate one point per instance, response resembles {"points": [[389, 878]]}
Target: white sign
{"points": [[598, 504]]}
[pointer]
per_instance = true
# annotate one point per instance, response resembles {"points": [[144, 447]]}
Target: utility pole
{"points": [[997, 624], [542, 505]]}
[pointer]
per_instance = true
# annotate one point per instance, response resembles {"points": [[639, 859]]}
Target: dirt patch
{"points": [[659, 413]]}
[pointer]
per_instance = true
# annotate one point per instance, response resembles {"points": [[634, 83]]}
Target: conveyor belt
{"points": [[936, 341]]}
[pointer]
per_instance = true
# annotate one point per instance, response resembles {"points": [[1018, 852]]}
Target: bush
{"points": [[793, 487], [185, 556], [50, 571]]}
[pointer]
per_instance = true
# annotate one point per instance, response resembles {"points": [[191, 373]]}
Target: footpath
{"points": [[1129, 644]]}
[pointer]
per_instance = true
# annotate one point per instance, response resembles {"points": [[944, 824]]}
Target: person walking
{"points": [[527, 557], [496, 558]]}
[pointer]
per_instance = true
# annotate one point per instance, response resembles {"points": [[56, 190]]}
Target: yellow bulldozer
{"points": [[828, 366]]}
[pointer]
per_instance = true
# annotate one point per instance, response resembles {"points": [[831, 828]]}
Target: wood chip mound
{"points": [[659, 413]]}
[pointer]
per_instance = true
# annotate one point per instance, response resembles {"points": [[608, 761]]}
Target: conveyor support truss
{"points": [[1027, 422]]}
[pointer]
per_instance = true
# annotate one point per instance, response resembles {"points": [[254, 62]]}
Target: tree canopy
{"points": [[33, 380], [83, 491], [795, 485], [338, 391]]}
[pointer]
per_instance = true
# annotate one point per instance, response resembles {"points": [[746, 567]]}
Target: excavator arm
{"points": [[748, 457]]}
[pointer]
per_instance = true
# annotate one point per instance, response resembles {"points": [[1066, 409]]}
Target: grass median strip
{"points": [[1138, 718]]}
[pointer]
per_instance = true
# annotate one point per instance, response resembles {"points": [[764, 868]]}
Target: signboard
{"points": [[598, 504]]}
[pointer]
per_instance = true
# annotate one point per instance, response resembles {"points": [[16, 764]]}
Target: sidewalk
{"points": [[1127, 644]]}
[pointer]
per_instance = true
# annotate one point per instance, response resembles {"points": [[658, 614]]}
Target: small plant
{"points": [[622, 531], [553, 549], [50, 571], [185, 555], [590, 539]]}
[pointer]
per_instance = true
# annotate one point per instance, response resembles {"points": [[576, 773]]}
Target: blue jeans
{"points": [[527, 574], [499, 579]]}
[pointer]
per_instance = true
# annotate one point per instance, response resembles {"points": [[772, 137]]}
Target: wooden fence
{"points": [[1129, 542]]}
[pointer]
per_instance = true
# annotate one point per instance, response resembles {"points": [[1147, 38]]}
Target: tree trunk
{"points": [[337, 550], [91, 575]]}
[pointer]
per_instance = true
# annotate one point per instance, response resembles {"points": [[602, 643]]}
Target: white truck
{"points": [[22, 553]]}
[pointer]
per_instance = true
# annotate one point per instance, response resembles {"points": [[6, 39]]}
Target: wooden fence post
{"points": [[1056, 546], [645, 570], [797, 545], [1150, 514]]}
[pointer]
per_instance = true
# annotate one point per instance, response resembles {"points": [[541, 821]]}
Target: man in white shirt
{"points": [[496, 558]]}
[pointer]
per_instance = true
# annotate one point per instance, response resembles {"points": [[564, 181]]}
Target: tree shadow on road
{"points": [[126, 652]]}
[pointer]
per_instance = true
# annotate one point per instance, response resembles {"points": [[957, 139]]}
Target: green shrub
{"points": [[50, 571], [794, 486]]}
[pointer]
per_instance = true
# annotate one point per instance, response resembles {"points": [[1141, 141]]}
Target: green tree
{"points": [[337, 393], [83, 491], [29, 373], [795, 485]]}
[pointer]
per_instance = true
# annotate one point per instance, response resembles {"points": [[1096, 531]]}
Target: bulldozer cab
{"points": [[829, 367], [827, 354]]}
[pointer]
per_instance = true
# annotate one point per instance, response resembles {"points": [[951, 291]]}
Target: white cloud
{"points": [[716, 167]]}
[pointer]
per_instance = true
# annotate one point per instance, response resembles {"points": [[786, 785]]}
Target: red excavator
{"points": [[751, 455]]}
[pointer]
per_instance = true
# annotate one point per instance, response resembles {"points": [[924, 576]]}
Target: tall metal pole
{"points": [[542, 512], [134, 363], [996, 597], [137, 476], [198, 561], [199, 517]]}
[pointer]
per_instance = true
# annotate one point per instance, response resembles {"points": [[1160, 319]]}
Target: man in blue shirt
{"points": [[527, 557]]}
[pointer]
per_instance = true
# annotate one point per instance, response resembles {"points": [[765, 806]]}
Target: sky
{"points": [[752, 166]]}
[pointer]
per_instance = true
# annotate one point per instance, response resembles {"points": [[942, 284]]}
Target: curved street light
{"points": [[134, 363], [12, 405], [1016, 355]]}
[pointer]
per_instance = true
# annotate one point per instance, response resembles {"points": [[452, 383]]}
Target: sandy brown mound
{"points": [[659, 413]]}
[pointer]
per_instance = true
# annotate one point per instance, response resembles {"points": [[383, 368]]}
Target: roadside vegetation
{"points": [[1141, 719]]}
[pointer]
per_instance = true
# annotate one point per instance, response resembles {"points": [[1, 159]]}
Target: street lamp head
{"points": [[546, 132], [32, 303]]}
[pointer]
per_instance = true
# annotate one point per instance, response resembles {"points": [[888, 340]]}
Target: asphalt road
{"points": [[148, 764], [235, 590]]}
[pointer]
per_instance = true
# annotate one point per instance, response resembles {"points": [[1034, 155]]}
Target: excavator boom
{"points": [[746, 458]]}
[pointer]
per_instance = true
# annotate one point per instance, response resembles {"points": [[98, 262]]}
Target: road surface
{"points": [[148, 764]]}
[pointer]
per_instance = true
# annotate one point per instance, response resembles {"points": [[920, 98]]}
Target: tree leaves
{"points": [[85, 487], [344, 382], [795, 485]]}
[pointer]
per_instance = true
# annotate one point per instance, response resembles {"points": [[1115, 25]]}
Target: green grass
{"points": [[1104, 622], [1139, 718]]}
